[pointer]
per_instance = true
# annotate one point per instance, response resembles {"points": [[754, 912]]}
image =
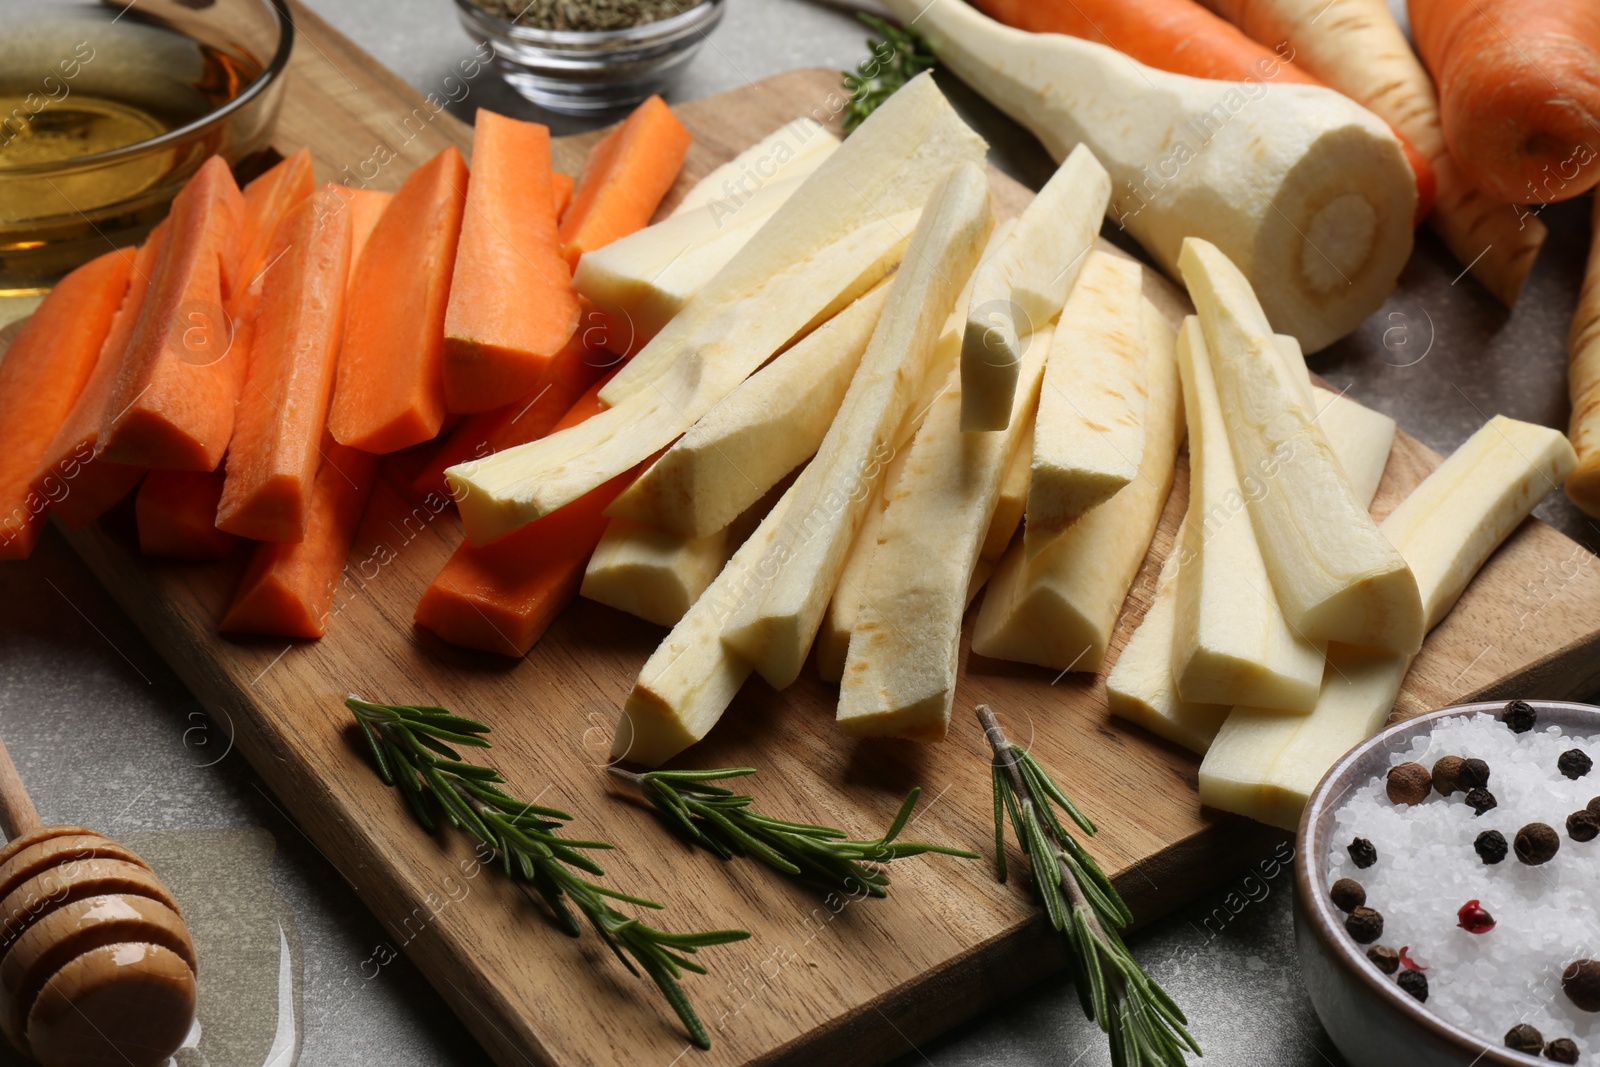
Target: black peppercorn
{"points": [[1525, 1038], [1583, 825], [1415, 983], [1365, 925], [1446, 774], [1562, 1050], [1574, 763], [1593, 805], [1408, 783], [1490, 846], [1384, 958], [1537, 843], [1581, 983], [1362, 852], [1473, 773], [1480, 800], [1348, 895], [1520, 716]]}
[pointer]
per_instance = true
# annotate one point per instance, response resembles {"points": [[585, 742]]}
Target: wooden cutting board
{"points": [[822, 979]]}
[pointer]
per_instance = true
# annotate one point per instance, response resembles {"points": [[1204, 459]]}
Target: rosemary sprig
{"points": [[897, 56], [412, 747], [1145, 1026], [722, 821]]}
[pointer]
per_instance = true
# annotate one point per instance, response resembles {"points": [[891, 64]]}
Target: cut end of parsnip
{"points": [[650, 573]]}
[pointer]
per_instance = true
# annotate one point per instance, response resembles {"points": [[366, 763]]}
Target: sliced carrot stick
{"points": [[266, 201], [625, 177], [561, 191], [574, 369], [41, 377], [283, 410], [502, 596], [389, 392], [366, 206], [79, 485], [287, 589], [512, 305], [177, 515], [173, 403]]}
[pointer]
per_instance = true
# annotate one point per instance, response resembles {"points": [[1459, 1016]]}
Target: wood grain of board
{"points": [[831, 980]]}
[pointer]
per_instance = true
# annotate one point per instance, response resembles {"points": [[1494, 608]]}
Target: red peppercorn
{"points": [[1407, 962], [1473, 919]]}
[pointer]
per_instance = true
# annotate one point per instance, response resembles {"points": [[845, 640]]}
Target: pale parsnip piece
{"points": [[1089, 435], [1057, 608], [1013, 500], [1264, 765], [1336, 577], [765, 428], [774, 631], [1231, 644], [1022, 286], [501, 492], [650, 573], [1360, 438], [900, 672], [1294, 360], [791, 151], [890, 165]]}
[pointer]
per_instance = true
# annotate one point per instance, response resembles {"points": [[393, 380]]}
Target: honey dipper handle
{"points": [[18, 816]]}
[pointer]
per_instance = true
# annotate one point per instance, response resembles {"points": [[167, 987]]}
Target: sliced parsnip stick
{"points": [[774, 632], [1360, 438], [1336, 577], [765, 428], [1265, 765], [900, 672], [1024, 284], [1013, 500], [791, 151], [1231, 644], [1089, 435], [1057, 608], [1583, 383]]}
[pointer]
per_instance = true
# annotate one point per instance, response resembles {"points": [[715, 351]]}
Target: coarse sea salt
{"points": [[1545, 916]]}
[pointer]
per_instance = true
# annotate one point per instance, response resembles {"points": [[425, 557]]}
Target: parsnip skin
{"points": [[1583, 382]]}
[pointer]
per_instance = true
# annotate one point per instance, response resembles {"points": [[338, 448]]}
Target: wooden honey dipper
{"points": [[96, 965]]}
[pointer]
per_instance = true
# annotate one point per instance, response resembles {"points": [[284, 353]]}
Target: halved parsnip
{"points": [[651, 573], [774, 632], [793, 150], [768, 425], [1141, 687], [499, 493], [1057, 608], [1335, 576], [1231, 644], [1024, 284], [900, 672], [890, 165], [1265, 765], [1013, 500], [1089, 435]]}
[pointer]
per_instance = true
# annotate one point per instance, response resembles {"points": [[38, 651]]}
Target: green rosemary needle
{"points": [[1146, 1028], [897, 56], [723, 822], [412, 747]]}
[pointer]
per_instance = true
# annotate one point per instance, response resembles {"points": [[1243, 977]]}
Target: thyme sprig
{"points": [[414, 749], [1145, 1026], [723, 822], [896, 56]]}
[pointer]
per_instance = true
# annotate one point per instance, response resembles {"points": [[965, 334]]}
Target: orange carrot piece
{"points": [[41, 377], [574, 369], [177, 515], [283, 410], [1519, 92], [287, 589], [561, 191], [512, 305], [502, 596], [173, 403], [624, 179], [366, 206], [389, 392], [1182, 37], [266, 201]]}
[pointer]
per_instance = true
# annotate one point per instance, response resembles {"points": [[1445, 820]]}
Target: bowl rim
{"points": [[643, 33], [269, 74], [1319, 911]]}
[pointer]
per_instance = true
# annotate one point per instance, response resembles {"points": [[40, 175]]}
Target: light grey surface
{"points": [[103, 733]]}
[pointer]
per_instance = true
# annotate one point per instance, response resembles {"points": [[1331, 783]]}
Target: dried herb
{"points": [[897, 56], [585, 16]]}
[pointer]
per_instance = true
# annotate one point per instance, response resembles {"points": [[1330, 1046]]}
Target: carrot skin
{"points": [[177, 512], [41, 377], [283, 410], [389, 391], [624, 179]]}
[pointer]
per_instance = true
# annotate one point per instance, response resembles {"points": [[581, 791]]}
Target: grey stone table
{"points": [[104, 733]]}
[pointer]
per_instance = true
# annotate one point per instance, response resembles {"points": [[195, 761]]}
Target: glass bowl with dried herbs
{"points": [[582, 57]]}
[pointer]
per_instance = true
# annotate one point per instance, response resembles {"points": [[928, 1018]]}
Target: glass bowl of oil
{"points": [[108, 106]]}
